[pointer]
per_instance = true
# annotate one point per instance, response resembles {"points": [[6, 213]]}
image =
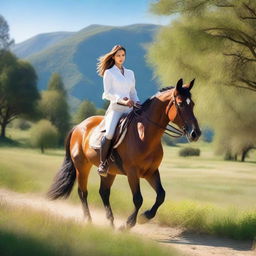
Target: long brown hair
{"points": [[106, 61]]}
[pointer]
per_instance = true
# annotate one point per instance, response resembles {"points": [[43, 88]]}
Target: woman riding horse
{"points": [[119, 89], [140, 152]]}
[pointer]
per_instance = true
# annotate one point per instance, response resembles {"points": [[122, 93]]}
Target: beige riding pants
{"points": [[112, 117]]}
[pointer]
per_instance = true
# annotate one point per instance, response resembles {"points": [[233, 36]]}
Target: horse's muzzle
{"points": [[193, 135]]}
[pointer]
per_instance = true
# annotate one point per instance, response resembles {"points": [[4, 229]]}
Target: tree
{"points": [[100, 111], [195, 46], [54, 108], [54, 105], [106, 104], [56, 84], [86, 109], [18, 91], [231, 24], [5, 41], [44, 135]]}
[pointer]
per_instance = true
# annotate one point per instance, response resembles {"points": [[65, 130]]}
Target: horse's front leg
{"points": [[155, 181], [134, 183], [105, 186]]}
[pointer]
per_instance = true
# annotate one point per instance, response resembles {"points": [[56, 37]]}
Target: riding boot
{"points": [[104, 153]]}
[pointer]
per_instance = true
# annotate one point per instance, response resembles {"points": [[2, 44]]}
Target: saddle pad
{"points": [[98, 132]]}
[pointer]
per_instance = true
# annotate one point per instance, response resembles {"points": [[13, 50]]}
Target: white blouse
{"points": [[117, 86]]}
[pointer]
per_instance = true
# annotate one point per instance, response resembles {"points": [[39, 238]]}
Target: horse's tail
{"points": [[66, 176]]}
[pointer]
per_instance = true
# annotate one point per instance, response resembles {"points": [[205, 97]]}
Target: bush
{"points": [[100, 111], [44, 135], [189, 152], [168, 140], [85, 110], [21, 124]]}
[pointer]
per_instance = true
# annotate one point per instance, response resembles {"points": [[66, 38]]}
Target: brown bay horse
{"points": [[140, 152]]}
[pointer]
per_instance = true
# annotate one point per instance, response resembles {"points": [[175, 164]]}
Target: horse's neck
{"points": [[155, 120]]}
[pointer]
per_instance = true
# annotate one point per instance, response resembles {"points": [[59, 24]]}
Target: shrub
{"points": [[85, 110], [168, 140], [189, 152], [100, 112], [21, 124], [44, 135]]}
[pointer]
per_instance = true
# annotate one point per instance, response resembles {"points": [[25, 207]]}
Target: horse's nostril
{"points": [[193, 134]]}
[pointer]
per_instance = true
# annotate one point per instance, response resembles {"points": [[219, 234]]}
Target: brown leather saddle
{"points": [[120, 132]]}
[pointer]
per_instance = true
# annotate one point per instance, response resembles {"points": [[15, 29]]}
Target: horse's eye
{"points": [[181, 104]]}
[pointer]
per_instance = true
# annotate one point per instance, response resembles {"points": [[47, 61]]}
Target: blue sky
{"points": [[27, 18]]}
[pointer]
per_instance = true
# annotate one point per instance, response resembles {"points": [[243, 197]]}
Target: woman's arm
{"points": [[107, 83], [133, 92]]}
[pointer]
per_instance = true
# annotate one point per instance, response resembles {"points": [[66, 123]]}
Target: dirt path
{"points": [[190, 244]]}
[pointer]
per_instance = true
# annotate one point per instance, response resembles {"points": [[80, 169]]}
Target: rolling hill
{"points": [[74, 57], [39, 43]]}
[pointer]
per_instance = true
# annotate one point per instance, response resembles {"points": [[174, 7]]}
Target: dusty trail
{"points": [[190, 244]]}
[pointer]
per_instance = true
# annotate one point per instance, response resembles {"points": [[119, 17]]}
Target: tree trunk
{"points": [[244, 153], [4, 122], [3, 128], [42, 149], [229, 157]]}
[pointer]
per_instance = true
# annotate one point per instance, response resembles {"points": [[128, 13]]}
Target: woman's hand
{"points": [[128, 102]]}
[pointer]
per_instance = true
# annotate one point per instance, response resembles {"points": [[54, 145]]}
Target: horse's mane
{"points": [[185, 92], [148, 101]]}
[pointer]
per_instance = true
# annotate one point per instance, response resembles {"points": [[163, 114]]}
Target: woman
{"points": [[119, 89]]}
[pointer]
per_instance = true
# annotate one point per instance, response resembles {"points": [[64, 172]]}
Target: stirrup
{"points": [[103, 169]]}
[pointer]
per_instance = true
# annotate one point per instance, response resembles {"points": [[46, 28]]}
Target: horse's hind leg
{"points": [[155, 181], [83, 169], [105, 185]]}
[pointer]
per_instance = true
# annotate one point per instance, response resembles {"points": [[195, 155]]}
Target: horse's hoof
{"points": [[144, 218], [88, 220], [122, 227]]}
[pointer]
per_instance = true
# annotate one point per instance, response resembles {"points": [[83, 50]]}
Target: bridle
{"points": [[169, 128]]}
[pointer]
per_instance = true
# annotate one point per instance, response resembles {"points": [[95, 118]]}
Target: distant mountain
{"points": [[75, 56], [39, 43]]}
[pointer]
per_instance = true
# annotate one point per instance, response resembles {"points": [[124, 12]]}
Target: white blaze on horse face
{"points": [[188, 101]]}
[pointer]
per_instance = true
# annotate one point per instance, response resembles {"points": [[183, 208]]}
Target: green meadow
{"points": [[203, 194]]}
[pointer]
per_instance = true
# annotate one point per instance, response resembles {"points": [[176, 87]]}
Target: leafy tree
{"points": [[44, 135], [54, 105], [5, 41], [100, 111], [228, 25], [86, 109], [54, 108], [21, 124], [106, 104], [214, 42], [18, 91], [56, 84]]}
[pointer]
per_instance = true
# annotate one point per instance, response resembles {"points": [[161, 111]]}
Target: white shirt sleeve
{"points": [[133, 92], [108, 92]]}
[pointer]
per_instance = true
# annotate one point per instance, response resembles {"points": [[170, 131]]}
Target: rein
{"points": [[169, 128]]}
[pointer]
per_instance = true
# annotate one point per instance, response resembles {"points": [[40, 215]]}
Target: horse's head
{"points": [[180, 110]]}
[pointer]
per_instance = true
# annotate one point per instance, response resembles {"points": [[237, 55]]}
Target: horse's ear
{"points": [[179, 84], [191, 84]]}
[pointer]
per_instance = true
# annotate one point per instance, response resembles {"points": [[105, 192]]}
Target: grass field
{"points": [[26, 232], [203, 193]]}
